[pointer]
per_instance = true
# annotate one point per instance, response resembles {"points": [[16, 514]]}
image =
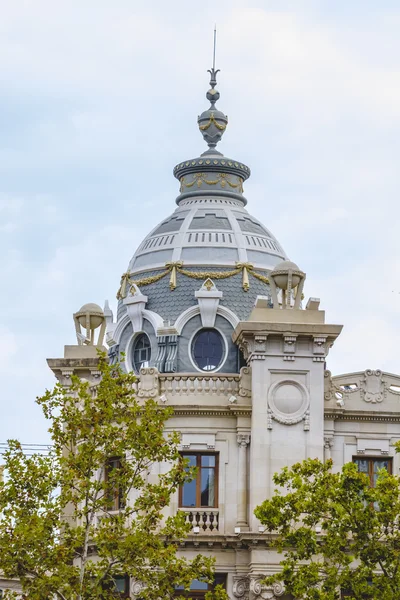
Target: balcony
{"points": [[207, 519], [152, 384]]}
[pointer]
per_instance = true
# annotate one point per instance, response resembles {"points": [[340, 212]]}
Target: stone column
{"points": [[243, 441]]}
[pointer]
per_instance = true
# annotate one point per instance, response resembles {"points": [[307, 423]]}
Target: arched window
{"points": [[208, 349], [141, 352]]}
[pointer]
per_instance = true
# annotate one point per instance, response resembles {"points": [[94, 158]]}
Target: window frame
{"points": [[110, 586], [225, 350], [135, 341], [219, 579], [198, 505], [370, 460]]}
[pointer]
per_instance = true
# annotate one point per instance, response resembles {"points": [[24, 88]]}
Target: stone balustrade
{"points": [[199, 385], [207, 519], [152, 384]]}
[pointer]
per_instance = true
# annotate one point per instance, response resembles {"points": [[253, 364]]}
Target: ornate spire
{"points": [[212, 122]]}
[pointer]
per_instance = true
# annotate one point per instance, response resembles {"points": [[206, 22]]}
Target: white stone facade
{"points": [[265, 400]]}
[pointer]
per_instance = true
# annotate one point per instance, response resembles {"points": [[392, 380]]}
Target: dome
{"points": [[208, 231], [200, 270]]}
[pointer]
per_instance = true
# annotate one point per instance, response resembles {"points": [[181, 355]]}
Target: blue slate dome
{"points": [[209, 237]]}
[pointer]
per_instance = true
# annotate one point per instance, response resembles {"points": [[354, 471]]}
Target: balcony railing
{"points": [[199, 385], [152, 384], [207, 519]]}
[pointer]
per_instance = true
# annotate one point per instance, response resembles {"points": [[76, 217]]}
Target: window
{"points": [[141, 352], [198, 588], [115, 496], [119, 586], [371, 467], [122, 585], [203, 490], [208, 349]]}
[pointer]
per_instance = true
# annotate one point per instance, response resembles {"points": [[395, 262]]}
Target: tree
{"points": [[76, 522], [336, 532]]}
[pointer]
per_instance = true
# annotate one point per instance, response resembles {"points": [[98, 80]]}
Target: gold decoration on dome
{"points": [[127, 281], [173, 268], [245, 267], [260, 277], [208, 274], [208, 284], [222, 179], [212, 121]]}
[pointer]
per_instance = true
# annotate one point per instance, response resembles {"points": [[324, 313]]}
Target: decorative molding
{"points": [[241, 587], [289, 418], [319, 345], [136, 588], [148, 384], [161, 353], [265, 592], [191, 312], [154, 319], [368, 417], [208, 298], [190, 440], [332, 391], [243, 439], [245, 382], [374, 389], [253, 346], [289, 345], [67, 373], [172, 353], [135, 303]]}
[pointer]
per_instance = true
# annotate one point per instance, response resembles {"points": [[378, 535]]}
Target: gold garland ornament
{"points": [[127, 281], [212, 121], [172, 268], [245, 267], [222, 179], [177, 267]]}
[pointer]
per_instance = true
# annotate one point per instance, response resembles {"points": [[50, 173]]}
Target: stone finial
{"points": [[287, 277], [89, 318], [212, 122]]}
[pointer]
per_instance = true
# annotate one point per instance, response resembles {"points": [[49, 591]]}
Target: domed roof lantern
{"points": [[212, 173]]}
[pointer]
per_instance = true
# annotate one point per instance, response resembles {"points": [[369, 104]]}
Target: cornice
{"points": [[380, 417], [206, 411]]}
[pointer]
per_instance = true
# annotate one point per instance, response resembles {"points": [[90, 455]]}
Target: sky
{"points": [[99, 101]]}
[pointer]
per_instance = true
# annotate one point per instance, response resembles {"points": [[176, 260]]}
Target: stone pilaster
{"points": [[243, 441]]}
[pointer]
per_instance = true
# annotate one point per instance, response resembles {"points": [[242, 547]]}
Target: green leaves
{"points": [[335, 532], [56, 514]]}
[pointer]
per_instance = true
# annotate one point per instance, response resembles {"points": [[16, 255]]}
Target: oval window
{"points": [[141, 352], [208, 349]]}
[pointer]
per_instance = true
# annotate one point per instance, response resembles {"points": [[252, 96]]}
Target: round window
{"points": [[141, 352], [208, 349]]}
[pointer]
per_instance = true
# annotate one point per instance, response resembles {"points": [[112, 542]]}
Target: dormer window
{"points": [[208, 349], [141, 352]]}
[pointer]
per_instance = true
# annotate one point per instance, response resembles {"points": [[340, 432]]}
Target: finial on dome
{"points": [[212, 122]]}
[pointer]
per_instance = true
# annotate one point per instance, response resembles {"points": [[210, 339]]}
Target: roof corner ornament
{"points": [[89, 318], [287, 277], [212, 122]]}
